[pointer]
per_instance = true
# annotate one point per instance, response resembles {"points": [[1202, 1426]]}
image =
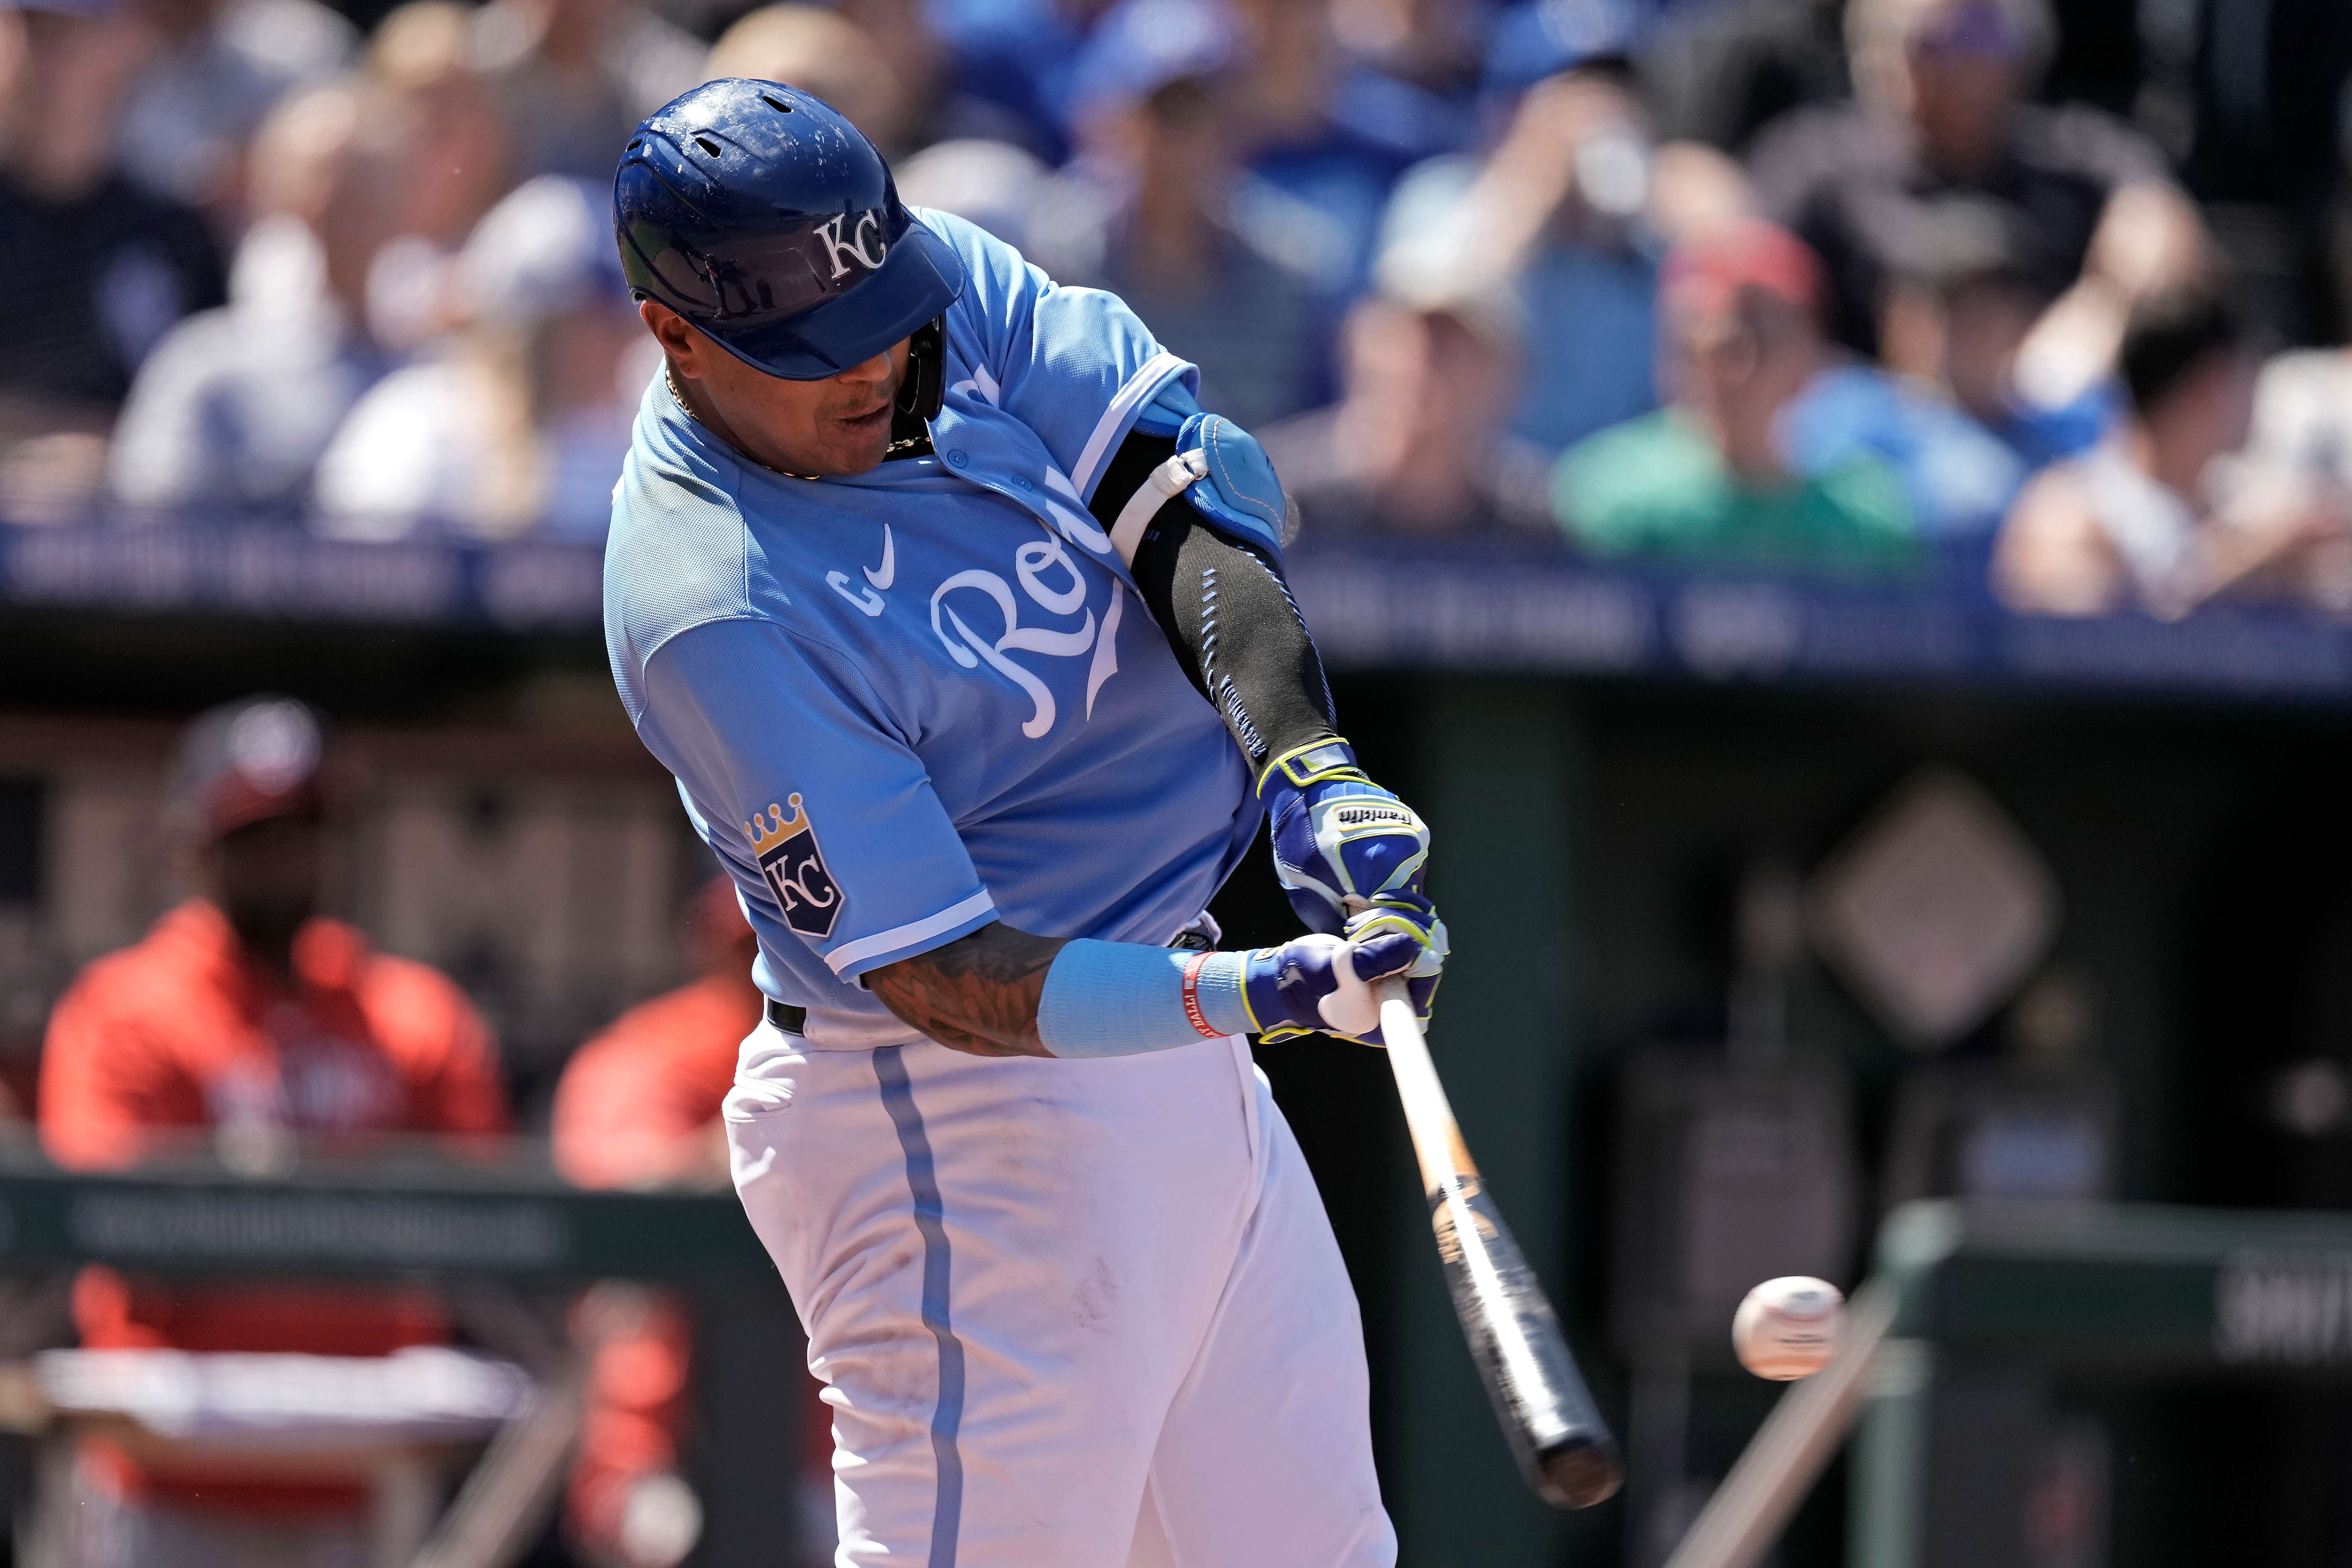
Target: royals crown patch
{"points": [[794, 868]]}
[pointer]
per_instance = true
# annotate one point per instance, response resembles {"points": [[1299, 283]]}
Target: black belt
{"points": [[792, 1020]]}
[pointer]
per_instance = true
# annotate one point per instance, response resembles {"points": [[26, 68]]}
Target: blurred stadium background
{"points": [[1865, 489]]}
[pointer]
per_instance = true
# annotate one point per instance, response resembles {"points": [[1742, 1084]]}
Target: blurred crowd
{"points": [[1880, 287]]}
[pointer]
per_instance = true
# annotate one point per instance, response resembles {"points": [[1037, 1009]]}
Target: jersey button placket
{"points": [[956, 459]]}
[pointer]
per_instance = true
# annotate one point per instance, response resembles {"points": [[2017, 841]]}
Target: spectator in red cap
{"points": [[246, 1019], [243, 1012], [1705, 480]]}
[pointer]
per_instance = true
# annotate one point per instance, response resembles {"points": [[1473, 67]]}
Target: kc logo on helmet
{"points": [[795, 869], [855, 246]]}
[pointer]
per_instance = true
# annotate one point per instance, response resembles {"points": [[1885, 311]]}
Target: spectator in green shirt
{"points": [[1703, 480]]}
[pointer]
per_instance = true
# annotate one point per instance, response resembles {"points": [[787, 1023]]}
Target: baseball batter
{"points": [[964, 632]]}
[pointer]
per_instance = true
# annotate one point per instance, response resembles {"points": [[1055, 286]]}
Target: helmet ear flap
{"points": [[925, 389]]}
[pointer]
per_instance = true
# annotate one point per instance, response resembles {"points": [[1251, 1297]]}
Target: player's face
{"points": [[836, 426]]}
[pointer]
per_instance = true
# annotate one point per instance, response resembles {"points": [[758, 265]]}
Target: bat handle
{"points": [[1427, 1114], [1397, 1016]]}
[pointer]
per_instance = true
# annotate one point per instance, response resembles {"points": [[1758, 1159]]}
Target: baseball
{"points": [[1788, 1327]]}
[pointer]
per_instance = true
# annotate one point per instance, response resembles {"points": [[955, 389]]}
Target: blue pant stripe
{"points": [[923, 1182]]}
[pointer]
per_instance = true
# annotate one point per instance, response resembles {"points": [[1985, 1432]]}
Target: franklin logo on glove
{"points": [[1341, 843]]}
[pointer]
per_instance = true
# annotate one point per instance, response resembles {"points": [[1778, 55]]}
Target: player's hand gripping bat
{"points": [[1561, 1441]]}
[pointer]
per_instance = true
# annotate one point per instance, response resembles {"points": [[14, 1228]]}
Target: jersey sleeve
{"points": [[831, 825], [1076, 365], [608, 1128], [104, 1087], [626, 1112], [448, 1056]]}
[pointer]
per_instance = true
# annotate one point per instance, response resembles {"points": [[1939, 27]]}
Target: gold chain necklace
{"points": [[896, 449]]}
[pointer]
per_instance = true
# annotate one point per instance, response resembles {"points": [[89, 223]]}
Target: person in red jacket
{"points": [[638, 1104], [247, 1022]]}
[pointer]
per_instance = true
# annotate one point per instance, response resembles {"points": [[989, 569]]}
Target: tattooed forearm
{"points": [[978, 994]]}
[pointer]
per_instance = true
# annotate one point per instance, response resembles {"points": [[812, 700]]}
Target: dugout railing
{"points": [[2071, 1385], [2006, 1419], [503, 1243]]}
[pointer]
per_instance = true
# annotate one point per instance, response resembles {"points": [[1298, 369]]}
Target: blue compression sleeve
{"points": [[1120, 999]]}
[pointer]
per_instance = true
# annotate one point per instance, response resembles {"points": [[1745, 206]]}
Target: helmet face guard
{"points": [[762, 216]]}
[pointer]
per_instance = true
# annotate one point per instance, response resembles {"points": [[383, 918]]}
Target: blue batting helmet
{"points": [[765, 218]]}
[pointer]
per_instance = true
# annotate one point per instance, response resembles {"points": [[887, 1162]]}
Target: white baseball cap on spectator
{"points": [[543, 251], [522, 416], [992, 183]]}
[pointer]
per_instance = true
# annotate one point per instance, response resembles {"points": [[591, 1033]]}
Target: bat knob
{"points": [[1579, 1473]]}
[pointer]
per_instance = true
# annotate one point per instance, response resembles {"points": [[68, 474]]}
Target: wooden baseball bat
{"points": [[1546, 1414]]}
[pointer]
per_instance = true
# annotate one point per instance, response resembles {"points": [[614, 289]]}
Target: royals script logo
{"points": [[795, 869]]}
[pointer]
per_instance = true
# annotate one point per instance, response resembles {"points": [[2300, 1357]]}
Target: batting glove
{"points": [[1340, 841], [1321, 984]]}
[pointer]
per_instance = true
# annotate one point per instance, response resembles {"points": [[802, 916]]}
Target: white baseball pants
{"points": [[1068, 1314]]}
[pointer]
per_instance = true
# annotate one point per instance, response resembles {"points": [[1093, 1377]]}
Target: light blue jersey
{"points": [[906, 704]]}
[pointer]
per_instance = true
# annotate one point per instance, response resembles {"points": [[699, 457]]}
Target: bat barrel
{"points": [[1547, 1412], [1579, 1471]]}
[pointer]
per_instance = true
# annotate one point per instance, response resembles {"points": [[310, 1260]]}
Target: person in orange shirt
{"points": [[638, 1106], [247, 1020]]}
